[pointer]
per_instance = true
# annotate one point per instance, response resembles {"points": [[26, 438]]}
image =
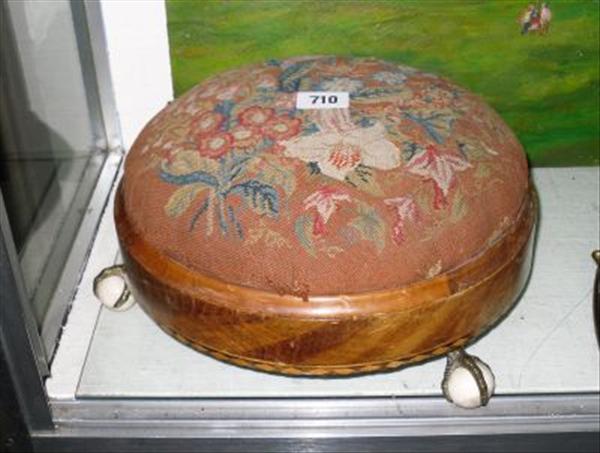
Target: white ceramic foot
{"points": [[111, 289], [468, 381]]}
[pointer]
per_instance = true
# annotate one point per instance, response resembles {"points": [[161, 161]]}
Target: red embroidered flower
{"points": [[344, 156], [255, 116], [440, 168], [281, 127], [215, 145], [207, 122], [406, 210], [244, 137], [325, 201]]}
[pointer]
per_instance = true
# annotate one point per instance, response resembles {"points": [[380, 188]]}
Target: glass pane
{"points": [[49, 157]]}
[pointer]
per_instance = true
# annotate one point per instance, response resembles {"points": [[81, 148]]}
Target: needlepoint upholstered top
{"points": [[235, 202]]}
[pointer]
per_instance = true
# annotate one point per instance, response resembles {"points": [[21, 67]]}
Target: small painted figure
{"points": [[545, 18], [526, 17], [535, 19]]}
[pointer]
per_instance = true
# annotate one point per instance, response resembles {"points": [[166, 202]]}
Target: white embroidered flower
{"points": [[391, 78], [341, 146], [339, 151], [342, 84]]}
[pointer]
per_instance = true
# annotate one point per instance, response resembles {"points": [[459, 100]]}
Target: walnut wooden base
{"points": [[329, 335]]}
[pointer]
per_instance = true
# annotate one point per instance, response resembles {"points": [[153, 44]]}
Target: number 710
{"points": [[322, 99]]}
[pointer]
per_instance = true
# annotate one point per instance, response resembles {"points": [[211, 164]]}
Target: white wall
{"points": [[138, 54]]}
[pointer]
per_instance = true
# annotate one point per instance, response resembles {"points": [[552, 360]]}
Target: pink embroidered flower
{"points": [[207, 122], [340, 148], [406, 210], [229, 92], [244, 137], [267, 81], [222, 91], [255, 116], [193, 105], [281, 128], [285, 101], [214, 146], [325, 201], [439, 168]]}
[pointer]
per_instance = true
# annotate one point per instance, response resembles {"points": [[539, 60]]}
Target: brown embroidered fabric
{"points": [[416, 177]]}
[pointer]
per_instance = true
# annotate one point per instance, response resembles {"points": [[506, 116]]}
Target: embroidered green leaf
{"points": [[234, 165], [276, 240], [482, 172], [189, 161], [474, 149], [262, 198], [182, 198], [271, 170], [435, 121], [272, 239], [370, 226], [362, 178], [459, 207], [303, 228], [349, 235], [423, 200], [190, 178], [397, 135], [177, 132], [474, 153]]}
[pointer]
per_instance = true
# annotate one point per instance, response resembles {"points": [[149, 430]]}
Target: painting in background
{"points": [[536, 63]]}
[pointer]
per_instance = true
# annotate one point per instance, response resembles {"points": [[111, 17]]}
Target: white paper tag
{"points": [[322, 100]]}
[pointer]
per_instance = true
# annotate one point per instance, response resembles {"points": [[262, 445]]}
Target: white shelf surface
{"points": [[546, 344]]}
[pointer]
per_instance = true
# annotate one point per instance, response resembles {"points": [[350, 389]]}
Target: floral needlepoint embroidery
{"points": [[245, 137], [406, 210], [281, 128], [208, 122], [340, 147], [255, 116], [342, 84], [235, 152], [220, 91], [439, 168], [391, 78], [325, 201], [285, 101], [214, 146]]}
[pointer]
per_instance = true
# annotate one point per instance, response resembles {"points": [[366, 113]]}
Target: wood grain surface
{"points": [[329, 334]]}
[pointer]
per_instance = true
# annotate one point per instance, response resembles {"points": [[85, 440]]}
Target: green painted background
{"points": [[546, 87]]}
